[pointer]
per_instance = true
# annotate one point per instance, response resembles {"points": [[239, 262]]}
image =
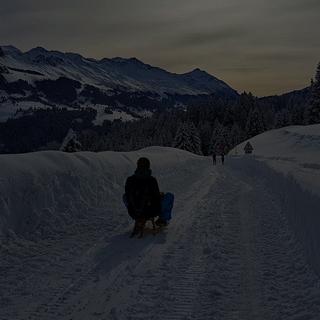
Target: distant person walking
{"points": [[222, 158], [214, 159]]}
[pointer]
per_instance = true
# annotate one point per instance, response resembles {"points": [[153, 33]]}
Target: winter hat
{"points": [[143, 164]]}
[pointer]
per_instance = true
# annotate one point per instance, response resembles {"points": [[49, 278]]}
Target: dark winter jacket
{"points": [[143, 195]]}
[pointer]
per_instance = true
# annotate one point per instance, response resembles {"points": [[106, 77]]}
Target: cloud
{"points": [[243, 42], [299, 5], [208, 37]]}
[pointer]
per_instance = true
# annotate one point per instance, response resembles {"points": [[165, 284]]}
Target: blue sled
{"points": [[167, 202], [166, 206]]}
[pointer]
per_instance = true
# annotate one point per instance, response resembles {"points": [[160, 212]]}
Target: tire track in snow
{"points": [[218, 297], [229, 254], [125, 273], [277, 281], [171, 290], [66, 276]]}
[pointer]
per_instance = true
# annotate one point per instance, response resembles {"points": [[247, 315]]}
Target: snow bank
{"points": [[289, 162], [45, 193], [300, 143], [291, 150], [300, 206]]}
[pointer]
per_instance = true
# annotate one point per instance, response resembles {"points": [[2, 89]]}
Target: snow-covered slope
{"points": [[108, 73], [293, 150], [236, 247], [288, 160]]}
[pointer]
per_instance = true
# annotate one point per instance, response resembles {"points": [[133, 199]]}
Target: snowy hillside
{"points": [[292, 150], [243, 242], [289, 159], [68, 79]]}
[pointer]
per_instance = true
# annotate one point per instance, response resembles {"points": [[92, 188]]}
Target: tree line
{"points": [[216, 126]]}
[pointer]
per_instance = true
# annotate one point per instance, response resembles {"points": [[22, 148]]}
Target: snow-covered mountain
{"points": [[45, 78]]}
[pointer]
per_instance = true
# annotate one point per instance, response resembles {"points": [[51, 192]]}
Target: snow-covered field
{"points": [[291, 150], [241, 245], [113, 115], [8, 109]]}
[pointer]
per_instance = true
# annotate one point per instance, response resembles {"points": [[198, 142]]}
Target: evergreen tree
{"points": [[255, 123], [297, 116], [221, 139], [195, 138], [90, 140], [182, 138], [282, 119], [236, 135], [313, 112], [247, 102], [71, 142], [223, 142], [205, 136], [187, 138], [217, 127]]}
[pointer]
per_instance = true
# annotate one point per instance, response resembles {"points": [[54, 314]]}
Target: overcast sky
{"points": [[261, 46]]}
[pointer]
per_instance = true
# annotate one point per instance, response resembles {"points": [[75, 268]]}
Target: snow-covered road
{"points": [[229, 253]]}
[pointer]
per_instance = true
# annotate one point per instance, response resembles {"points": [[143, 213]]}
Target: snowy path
{"points": [[229, 253]]}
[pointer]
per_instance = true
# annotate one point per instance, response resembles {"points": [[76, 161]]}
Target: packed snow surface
{"points": [[234, 249], [293, 150]]}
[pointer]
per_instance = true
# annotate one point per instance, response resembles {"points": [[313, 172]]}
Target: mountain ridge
{"points": [[39, 57], [42, 78]]}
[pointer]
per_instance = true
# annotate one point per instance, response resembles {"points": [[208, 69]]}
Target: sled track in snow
{"points": [[167, 289], [184, 291], [228, 254], [172, 289], [102, 286]]}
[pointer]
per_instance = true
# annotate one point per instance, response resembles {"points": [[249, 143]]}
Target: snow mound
{"points": [[45, 193], [293, 150], [289, 162], [298, 143]]}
